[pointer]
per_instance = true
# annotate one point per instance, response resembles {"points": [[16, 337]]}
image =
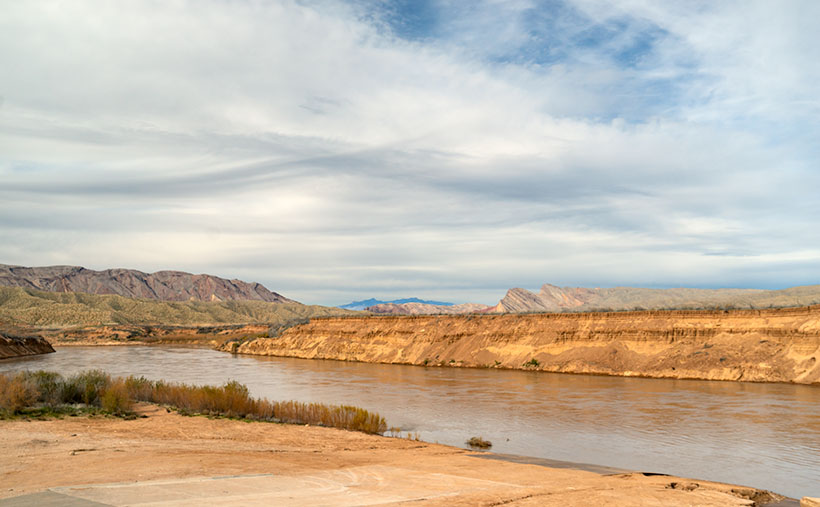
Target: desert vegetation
{"points": [[48, 394], [479, 443]]}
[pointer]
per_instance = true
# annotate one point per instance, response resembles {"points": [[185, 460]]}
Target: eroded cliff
{"points": [[778, 345], [17, 346]]}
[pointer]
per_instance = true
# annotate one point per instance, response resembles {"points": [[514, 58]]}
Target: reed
{"points": [[46, 391], [336, 416]]}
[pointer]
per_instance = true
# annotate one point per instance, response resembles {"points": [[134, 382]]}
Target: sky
{"points": [[340, 150]]}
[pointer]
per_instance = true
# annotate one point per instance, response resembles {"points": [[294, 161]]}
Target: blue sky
{"points": [[447, 150]]}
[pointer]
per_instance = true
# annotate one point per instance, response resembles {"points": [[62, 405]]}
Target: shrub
{"points": [[139, 388], [479, 443], [115, 400], [531, 363], [16, 393], [49, 386], [116, 397], [86, 387]]}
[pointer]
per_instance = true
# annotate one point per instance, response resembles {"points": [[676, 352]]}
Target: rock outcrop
{"points": [[778, 345], [425, 309], [162, 285], [579, 299], [17, 346]]}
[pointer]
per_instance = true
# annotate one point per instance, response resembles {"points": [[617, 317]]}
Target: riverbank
{"points": [[20, 346], [134, 334], [774, 345], [304, 465]]}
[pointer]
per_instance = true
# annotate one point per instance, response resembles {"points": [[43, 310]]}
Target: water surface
{"points": [[762, 435]]}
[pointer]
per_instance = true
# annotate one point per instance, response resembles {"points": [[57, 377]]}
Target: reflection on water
{"points": [[763, 435]]}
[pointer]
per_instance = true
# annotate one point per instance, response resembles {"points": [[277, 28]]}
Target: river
{"points": [[761, 435]]}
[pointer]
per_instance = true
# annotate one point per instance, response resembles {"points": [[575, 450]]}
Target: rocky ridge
{"points": [[773, 345], [162, 285], [579, 299]]}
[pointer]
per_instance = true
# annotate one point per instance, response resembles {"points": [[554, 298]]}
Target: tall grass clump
{"points": [[91, 389], [336, 416]]}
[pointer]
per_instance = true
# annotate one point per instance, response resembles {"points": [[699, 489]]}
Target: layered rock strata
{"points": [[18, 346], [780, 345]]}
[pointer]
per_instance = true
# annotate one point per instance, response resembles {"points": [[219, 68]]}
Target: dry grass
{"points": [[16, 394], [43, 392], [336, 416]]}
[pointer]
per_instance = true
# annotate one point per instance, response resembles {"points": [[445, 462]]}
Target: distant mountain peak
{"points": [[361, 305], [163, 285]]}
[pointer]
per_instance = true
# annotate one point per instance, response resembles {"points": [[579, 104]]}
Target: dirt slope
{"points": [[781, 345]]}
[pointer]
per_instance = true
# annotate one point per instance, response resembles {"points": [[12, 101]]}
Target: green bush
{"points": [[49, 386], [86, 387]]}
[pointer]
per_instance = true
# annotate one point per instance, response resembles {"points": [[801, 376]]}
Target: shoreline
{"points": [[215, 346], [168, 446]]}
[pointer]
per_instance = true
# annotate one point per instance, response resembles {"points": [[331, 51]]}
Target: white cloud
{"points": [[309, 147]]}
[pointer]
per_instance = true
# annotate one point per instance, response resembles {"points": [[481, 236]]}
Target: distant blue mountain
{"points": [[361, 305]]}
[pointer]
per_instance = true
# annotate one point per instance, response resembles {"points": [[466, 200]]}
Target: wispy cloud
{"points": [[339, 150]]}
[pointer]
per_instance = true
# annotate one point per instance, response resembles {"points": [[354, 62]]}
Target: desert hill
{"points": [[578, 299], [29, 307], [162, 285]]}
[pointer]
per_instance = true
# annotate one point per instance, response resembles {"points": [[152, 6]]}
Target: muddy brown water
{"points": [[761, 435]]}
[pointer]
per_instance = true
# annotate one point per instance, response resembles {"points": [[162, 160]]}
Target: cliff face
{"points": [[579, 299], [16, 346], [162, 285], [751, 345]]}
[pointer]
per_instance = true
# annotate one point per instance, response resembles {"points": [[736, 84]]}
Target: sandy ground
{"points": [[168, 459]]}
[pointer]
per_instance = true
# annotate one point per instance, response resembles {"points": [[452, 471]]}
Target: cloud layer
{"points": [[335, 151]]}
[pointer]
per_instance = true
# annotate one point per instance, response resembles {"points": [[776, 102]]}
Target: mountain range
{"points": [[177, 286], [161, 286], [367, 303]]}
